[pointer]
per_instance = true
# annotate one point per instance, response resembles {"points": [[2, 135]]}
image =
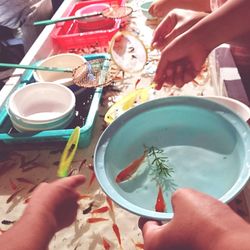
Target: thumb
{"points": [[156, 236], [147, 226]]}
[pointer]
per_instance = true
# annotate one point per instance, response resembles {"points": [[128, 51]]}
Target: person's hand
{"points": [[183, 53], [181, 60], [175, 23], [200, 222], [56, 202], [160, 8]]}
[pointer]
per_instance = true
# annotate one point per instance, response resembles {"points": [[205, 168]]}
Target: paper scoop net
{"points": [[91, 74]]}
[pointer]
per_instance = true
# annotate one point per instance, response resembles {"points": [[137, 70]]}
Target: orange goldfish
{"points": [[95, 220], [160, 205], [126, 173]]}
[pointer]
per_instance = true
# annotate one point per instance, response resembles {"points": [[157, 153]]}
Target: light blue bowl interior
{"points": [[206, 145], [145, 7]]}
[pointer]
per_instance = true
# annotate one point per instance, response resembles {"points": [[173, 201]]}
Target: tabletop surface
{"points": [[23, 167]]}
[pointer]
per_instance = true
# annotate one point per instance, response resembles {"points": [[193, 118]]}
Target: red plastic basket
{"points": [[66, 35]]}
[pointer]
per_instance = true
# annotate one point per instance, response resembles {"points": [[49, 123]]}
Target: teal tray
{"points": [[87, 104]]}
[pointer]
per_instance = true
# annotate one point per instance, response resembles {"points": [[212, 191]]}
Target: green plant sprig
{"points": [[160, 162]]}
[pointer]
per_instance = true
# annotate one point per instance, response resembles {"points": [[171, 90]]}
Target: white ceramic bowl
{"points": [[26, 127], [66, 60], [41, 105], [238, 107], [145, 7]]}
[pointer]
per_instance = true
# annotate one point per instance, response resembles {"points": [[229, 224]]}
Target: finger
{"points": [[72, 181], [151, 10], [167, 77], [178, 76], [189, 73], [147, 225], [188, 77], [164, 72], [163, 29]]}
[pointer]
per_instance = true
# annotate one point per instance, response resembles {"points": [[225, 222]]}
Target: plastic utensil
{"points": [[128, 52], [127, 102], [68, 153], [113, 12], [82, 75], [20, 66]]}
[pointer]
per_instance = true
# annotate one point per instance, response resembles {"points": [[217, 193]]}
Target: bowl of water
{"points": [[175, 142]]}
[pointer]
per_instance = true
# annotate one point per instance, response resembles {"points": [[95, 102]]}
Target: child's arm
{"points": [[225, 24], [52, 207], [182, 59], [174, 24], [160, 8]]}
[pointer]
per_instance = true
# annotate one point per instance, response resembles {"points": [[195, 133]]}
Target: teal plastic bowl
{"points": [[145, 7], [207, 146]]}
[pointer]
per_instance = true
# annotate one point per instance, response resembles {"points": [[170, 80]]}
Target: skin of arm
{"points": [[181, 60], [160, 8], [52, 207], [174, 24], [200, 222]]}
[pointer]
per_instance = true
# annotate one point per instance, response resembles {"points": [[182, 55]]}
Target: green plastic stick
{"points": [[20, 66], [63, 19]]}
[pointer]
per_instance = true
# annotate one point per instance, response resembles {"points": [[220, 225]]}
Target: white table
{"points": [[81, 235]]}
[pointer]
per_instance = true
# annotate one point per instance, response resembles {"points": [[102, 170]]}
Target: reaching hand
{"points": [[183, 52], [174, 24], [181, 60], [200, 222], [56, 201], [160, 8]]}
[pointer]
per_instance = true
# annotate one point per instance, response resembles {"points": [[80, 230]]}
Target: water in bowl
{"points": [[204, 150]]}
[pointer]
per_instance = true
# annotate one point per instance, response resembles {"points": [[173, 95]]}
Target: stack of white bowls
{"points": [[41, 106]]}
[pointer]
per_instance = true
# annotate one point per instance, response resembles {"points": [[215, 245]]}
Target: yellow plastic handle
{"points": [[68, 153], [127, 102]]}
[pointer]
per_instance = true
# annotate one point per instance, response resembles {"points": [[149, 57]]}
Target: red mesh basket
{"points": [[67, 35]]}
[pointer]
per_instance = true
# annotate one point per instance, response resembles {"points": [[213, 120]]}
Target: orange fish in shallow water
{"points": [[100, 210], [117, 233], [92, 178], [105, 244], [95, 220], [84, 196], [139, 245], [160, 205], [126, 173]]}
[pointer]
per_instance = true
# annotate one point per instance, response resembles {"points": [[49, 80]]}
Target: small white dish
{"points": [[238, 107], [41, 103], [65, 60]]}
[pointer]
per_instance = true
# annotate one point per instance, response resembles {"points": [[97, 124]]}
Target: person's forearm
{"points": [[198, 5], [29, 234], [234, 241], [223, 25]]}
